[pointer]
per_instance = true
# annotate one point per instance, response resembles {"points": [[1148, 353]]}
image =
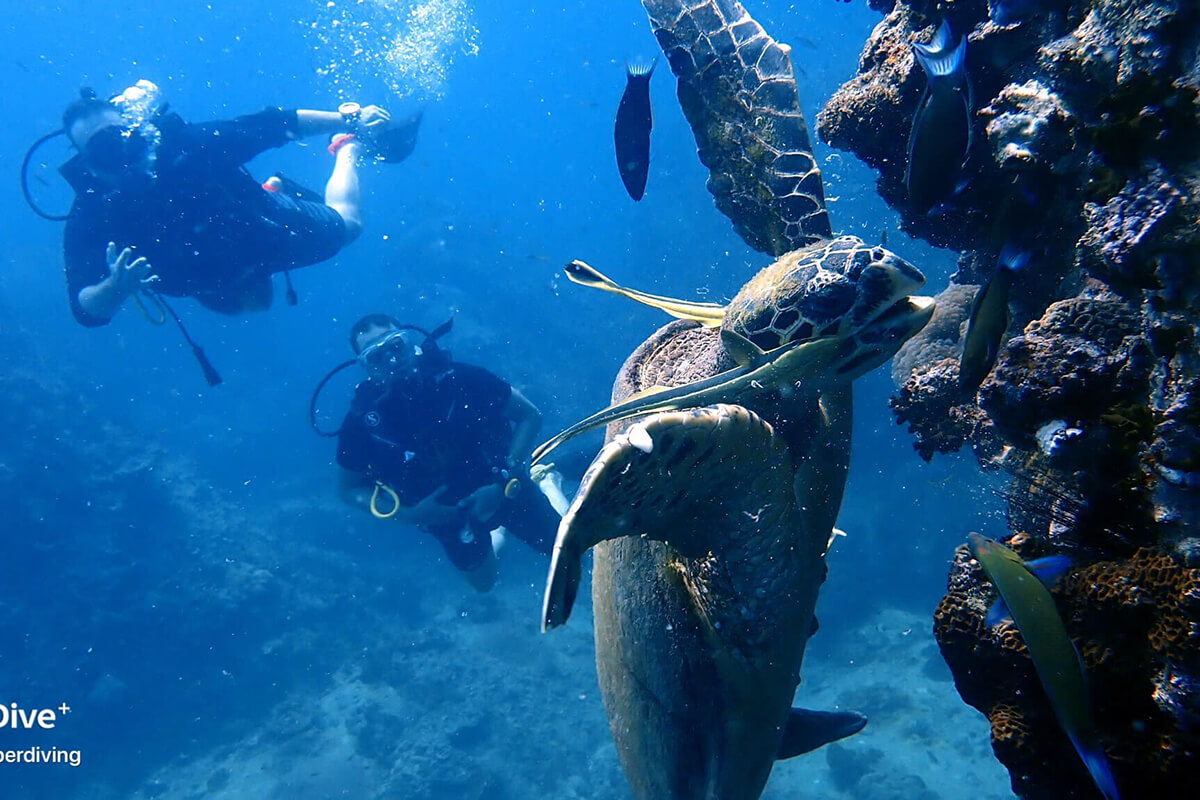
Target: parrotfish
{"points": [[941, 131], [989, 320], [1025, 598], [632, 131]]}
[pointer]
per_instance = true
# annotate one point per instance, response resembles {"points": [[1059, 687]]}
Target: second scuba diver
{"points": [[441, 445]]}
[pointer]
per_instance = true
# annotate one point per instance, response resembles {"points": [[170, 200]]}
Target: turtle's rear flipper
{"points": [[674, 478], [807, 730]]}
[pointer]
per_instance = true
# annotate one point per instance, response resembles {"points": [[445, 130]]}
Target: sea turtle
{"points": [[710, 520]]}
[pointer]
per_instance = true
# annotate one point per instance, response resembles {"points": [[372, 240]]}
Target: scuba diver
{"points": [[167, 207], [441, 445]]}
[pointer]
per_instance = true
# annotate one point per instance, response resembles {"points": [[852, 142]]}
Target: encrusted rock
{"points": [[1126, 230], [883, 96], [930, 403], [1029, 127], [1079, 360]]}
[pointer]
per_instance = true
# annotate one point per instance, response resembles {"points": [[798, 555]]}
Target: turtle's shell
{"points": [[830, 288]]}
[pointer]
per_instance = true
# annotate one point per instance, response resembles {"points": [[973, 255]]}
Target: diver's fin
{"points": [[745, 352], [1049, 569], [997, 613], [942, 63], [441, 330], [708, 314], [395, 142], [807, 730]]}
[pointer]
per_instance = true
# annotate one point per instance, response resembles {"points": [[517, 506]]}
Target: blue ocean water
{"points": [[177, 568]]}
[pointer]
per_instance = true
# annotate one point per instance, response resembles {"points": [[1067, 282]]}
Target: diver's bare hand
{"points": [[126, 274], [484, 502], [431, 512], [374, 117]]}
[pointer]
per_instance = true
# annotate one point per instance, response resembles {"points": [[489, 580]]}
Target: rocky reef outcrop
{"points": [[1085, 153]]}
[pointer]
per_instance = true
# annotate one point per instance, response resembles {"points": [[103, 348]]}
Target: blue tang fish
{"points": [[941, 131], [1025, 598]]}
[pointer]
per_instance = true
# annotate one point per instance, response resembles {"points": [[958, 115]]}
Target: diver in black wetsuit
{"points": [[443, 444], [161, 200]]}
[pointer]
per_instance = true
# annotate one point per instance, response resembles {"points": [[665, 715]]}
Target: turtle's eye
{"points": [[877, 254], [859, 261]]}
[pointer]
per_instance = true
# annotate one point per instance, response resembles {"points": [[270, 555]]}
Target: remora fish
{"points": [[632, 131], [757, 372], [708, 314], [941, 132], [989, 320], [1026, 599]]}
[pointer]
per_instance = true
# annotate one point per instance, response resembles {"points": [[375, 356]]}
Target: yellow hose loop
{"points": [[379, 485], [158, 306], [512, 488]]}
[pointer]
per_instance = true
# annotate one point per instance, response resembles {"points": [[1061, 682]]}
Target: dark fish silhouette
{"points": [[632, 131], [989, 320], [941, 132]]}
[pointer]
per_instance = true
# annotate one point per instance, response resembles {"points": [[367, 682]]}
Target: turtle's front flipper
{"points": [[738, 91], [710, 315], [674, 478]]}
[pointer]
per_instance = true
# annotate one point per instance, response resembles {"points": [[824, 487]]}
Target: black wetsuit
{"points": [[209, 229], [448, 431]]}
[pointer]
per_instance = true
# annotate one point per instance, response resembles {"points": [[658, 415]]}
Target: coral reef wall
{"points": [[1084, 152]]}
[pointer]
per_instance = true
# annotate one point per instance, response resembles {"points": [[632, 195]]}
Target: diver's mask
{"points": [[116, 149], [393, 357]]}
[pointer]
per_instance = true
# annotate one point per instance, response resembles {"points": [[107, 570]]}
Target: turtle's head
{"points": [[885, 314], [840, 288], [878, 340]]}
